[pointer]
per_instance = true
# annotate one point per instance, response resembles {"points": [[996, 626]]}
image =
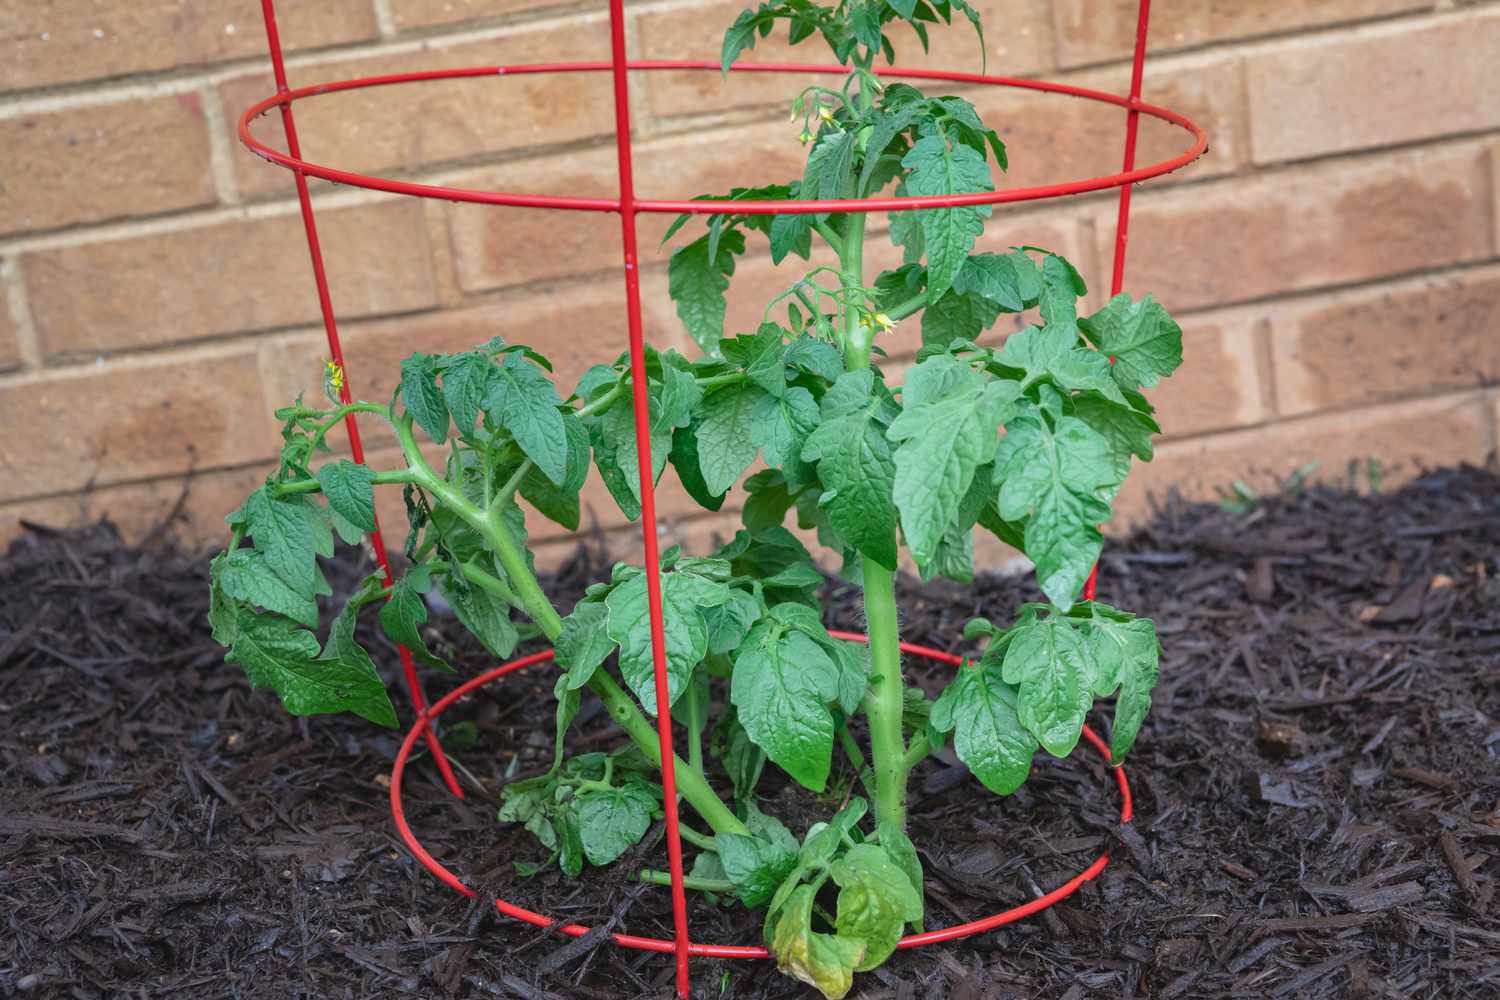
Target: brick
{"points": [[497, 248], [1052, 138], [1374, 91], [1018, 39], [10, 346], [71, 429], [138, 508], [1218, 385], [575, 327], [400, 128], [1366, 346], [64, 41], [409, 14], [1090, 31], [1305, 227], [1406, 438], [102, 162], [245, 274]]}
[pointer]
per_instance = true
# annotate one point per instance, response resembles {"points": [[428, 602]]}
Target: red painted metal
{"points": [[1122, 217], [640, 400], [628, 206], [702, 949], [708, 207], [336, 352]]}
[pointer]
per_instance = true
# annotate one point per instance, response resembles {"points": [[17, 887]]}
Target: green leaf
{"points": [[1061, 288], [781, 687], [559, 502], [781, 425], [830, 169], [823, 961], [685, 631], [611, 822], [584, 641], [569, 841], [947, 233], [466, 383], [727, 438], [980, 709], [424, 401], [406, 612], [888, 125], [755, 865], [957, 316], [762, 355], [1053, 353], [825, 840], [743, 760], [816, 357], [898, 846], [348, 487], [790, 234], [876, 900], [1053, 670], [730, 622], [275, 653], [283, 535], [1055, 482], [1011, 281], [244, 575], [944, 435], [1144, 341], [739, 37], [856, 467], [524, 401], [1128, 430], [1126, 655], [697, 282], [486, 616], [685, 460]]}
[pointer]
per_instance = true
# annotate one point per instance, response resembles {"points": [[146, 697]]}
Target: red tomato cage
{"points": [[628, 206]]}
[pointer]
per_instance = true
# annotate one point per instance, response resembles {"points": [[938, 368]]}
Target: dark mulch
{"points": [[1318, 796]]}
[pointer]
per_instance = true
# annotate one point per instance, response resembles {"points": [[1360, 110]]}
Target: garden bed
{"points": [[1317, 790]]}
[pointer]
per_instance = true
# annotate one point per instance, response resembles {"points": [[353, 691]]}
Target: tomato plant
{"points": [[1029, 439]]}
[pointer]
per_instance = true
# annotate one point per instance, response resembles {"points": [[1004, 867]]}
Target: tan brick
{"points": [[1305, 227], [1017, 36], [139, 508], [1052, 138], [1218, 385], [1090, 31], [399, 128], [61, 41], [502, 247], [1360, 347], [1374, 91], [234, 276], [104, 162], [1404, 437], [410, 14], [71, 429], [10, 346]]}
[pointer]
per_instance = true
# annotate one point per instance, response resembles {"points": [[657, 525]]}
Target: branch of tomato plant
{"points": [[534, 601]]}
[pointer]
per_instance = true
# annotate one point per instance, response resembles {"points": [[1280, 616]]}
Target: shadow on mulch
{"points": [[1318, 797]]}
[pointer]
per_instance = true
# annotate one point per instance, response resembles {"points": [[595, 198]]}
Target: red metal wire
{"points": [[783, 207], [335, 349], [640, 403], [701, 949], [1122, 219]]}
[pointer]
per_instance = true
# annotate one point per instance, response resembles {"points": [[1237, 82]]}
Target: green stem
{"points": [[902, 310], [883, 702], [857, 758], [690, 781], [719, 885], [384, 478], [695, 695], [830, 237], [917, 750], [702, 841]]}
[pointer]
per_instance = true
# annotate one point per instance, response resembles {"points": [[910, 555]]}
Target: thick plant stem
{"points": [[690, 782], [883, 702]]}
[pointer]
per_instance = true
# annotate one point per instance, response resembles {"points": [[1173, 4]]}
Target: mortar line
{"points": [[27, 341], [220, 147], [385, 19]]}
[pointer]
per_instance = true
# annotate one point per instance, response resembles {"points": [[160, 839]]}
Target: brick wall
{"points": [[1333, 259]]}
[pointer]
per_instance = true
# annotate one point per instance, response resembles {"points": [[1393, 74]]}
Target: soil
{"points": [[1317, 790]]}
